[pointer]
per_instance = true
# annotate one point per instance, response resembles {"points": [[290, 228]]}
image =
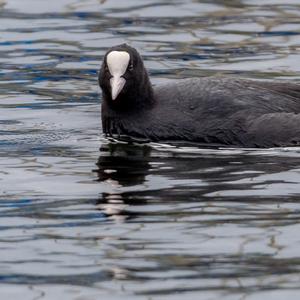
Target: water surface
{"points": [[85, 218]]}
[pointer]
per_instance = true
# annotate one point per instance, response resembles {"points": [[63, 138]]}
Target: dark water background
{"points": [[140, 222]]}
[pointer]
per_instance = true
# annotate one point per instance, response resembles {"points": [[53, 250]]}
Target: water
{"points": [[140, 221]]}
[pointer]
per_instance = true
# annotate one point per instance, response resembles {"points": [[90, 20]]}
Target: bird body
{"points": [[216, 111]]}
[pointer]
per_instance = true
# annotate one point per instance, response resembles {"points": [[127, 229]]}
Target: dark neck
{"points": [[136, 98]]}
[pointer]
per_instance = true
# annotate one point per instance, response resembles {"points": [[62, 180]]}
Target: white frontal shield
{"points": [[117, 62]]}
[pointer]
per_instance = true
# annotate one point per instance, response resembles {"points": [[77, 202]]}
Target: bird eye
{"points": [[130, 67]]}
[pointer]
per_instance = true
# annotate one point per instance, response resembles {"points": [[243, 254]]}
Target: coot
{"points": [[222, 111]]}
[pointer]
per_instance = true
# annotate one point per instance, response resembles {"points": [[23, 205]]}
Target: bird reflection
{"points": [[121, 166], [219, 175]]}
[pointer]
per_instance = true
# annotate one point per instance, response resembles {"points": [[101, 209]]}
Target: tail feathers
{"points": [[275, 130]]}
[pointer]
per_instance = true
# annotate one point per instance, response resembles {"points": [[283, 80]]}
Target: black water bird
{"points": [[214, 111]]}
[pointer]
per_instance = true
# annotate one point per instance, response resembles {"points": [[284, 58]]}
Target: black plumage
{"points": [[213, 111]]}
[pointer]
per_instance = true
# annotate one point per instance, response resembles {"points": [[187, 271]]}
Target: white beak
{"points": [[117, 83], [117, 62]]}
